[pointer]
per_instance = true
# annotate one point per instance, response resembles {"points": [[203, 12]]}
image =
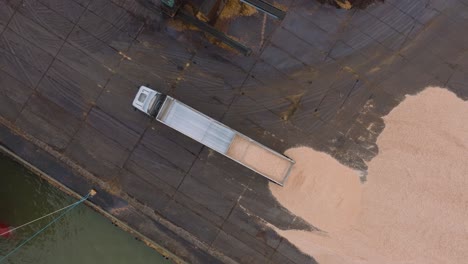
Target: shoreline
{"points": [[148, 242]]}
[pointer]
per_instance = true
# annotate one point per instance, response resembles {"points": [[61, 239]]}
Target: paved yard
{"points": [[322, 77]]}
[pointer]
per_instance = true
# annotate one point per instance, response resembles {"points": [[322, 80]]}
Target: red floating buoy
{"points": [[5, 231]]}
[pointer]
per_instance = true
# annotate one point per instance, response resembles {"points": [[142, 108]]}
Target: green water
{"points": [[83, 236]]}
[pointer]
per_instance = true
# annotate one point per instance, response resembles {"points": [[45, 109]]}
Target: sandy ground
{"points": [[414, 206], [321, 190]]}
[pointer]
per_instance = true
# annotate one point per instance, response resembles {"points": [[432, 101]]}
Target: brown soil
{"points": [[413, 207], [114, 186], [221, 44], [235, 8], [295, 102], [258, 158], [179, 25], [348, 4], [231, 10]]}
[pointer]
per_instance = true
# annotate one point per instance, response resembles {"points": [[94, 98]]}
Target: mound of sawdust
{"points": [[345, 4], [414, 204], [320, 190], [235, 8]]}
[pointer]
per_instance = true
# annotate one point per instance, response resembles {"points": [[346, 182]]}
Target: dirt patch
{"points": [[229, 12], [295, 102], [114, 186], [344, 4], [413, 207], [221, 44], [235, 8], [179, 25]]}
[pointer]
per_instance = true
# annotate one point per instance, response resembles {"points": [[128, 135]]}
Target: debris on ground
{"points": [[348, 4], [235, 8], [295, 102], [229, 11], [180, 25]]}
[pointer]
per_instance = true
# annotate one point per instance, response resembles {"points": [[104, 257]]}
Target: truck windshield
{"points": [[142, 97]]}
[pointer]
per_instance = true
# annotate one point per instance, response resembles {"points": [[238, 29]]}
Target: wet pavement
{"points": [[322, 77]]}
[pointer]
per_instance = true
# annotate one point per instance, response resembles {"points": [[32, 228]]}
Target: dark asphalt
{"points": [[322, 77]]}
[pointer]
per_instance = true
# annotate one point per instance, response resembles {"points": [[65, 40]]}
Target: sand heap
{"points": [[414, 206], [320, 190]]}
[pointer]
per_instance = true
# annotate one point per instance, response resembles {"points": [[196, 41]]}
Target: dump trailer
{"points": [[213, 134]]}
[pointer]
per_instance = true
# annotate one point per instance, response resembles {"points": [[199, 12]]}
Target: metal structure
{"points": [[208, 9], [266, 8], [184, 16]]}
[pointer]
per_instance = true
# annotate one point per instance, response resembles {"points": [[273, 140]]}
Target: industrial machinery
{"points": [[207, 10]]}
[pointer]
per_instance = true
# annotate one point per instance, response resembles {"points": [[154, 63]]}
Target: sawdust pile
{"points": [[320, 190], [235, 8], [413, 208]]}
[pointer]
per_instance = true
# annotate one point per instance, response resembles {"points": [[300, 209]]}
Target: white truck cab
{"points": [[144, 100]]}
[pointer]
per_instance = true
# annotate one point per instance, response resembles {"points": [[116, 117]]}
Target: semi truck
{"points": [[213, 134]]}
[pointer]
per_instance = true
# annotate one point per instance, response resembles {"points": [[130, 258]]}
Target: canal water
{"points": [[82, 236]]}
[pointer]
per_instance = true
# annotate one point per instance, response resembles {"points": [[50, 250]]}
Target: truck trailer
{"points": [[213, 134]]}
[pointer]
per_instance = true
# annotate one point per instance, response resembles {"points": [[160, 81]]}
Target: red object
{"points": [[5, 230]]}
